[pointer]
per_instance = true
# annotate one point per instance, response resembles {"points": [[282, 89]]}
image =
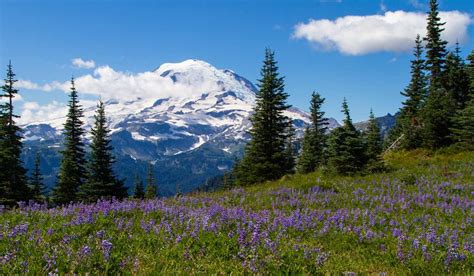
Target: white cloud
{"points": [[29, 85], [390, 32], [80, 63], [34, 113], [107, 83]]}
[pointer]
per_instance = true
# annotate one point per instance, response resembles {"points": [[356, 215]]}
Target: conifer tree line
{"points": [[79, 178], [438, 111], [271, 152], [438, 107]]}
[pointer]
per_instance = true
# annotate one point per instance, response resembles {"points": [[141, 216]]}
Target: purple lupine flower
{"points": [[416, 244], [85, 251], [100, 234], [321, 259], [106, 248], [369, 235], [396, 232]]}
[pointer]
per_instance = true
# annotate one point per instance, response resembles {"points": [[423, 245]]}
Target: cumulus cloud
{"points": [[32, 112], [108, 83], [388, 32], [80, 63], [29, 85]]}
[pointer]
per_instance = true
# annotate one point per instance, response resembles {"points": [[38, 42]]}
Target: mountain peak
{"points": [[184, 66]]}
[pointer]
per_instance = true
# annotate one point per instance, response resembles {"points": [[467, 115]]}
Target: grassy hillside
{"points": [[418, 218]]}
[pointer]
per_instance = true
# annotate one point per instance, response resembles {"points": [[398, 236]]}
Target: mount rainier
{"points": [[192, 133]]}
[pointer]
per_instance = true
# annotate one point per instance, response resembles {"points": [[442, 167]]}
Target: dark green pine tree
{"points": [[38, 190], [463, 122], [151, 190], [409, 120], [72, 173], [101, 181], [345, 147], [463, 126], [138, 191], [457, 80], [470, 72], [437, 117], [435, 47], [314, 140], [265, 155], [13, 180], [374, 145], [438, 110]]}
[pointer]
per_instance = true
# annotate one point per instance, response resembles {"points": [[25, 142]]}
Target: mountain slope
{"points": [[191, 133]]}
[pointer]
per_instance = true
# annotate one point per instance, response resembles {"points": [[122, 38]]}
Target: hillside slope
{"points": [[416, 219]]}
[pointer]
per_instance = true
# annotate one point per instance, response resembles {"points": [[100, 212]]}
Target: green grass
{"points": [[303, 224]]}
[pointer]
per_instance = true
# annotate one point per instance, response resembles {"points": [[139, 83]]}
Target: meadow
{"points": [[415, 219]]}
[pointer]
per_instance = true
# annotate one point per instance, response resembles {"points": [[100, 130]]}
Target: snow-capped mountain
{"points": [[205, 122]]}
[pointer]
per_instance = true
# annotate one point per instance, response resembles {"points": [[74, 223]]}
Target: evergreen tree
{"points": [[463, 126], [470, 73], [374, 139], [151, 190], [314, 140], [373, 145], [416, 91], [101, 181], [439, 107], [435, 47], [138, 191], [38, 190], [437, 119], [345, 147], [409, 119], [72, 171], [457, 79], [13, 180], [265, 155]]}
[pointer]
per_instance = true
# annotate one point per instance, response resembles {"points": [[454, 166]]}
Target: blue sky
{"points": [[42, 37]]}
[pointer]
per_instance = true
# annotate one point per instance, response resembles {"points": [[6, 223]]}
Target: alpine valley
{"points": [[190, 136]]}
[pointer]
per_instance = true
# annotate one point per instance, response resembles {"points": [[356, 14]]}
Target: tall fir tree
{"points": [[470, 73], [314, 140], [265, 155], [437, 119], [138, 191], [72, 173], [374, 139], [101, 181], [457, 80], [463, 125], [151, 190], [345, 147], [416, 92], [438, 110], [13, 180], [435, 47], [38, 190], [409, 120], [373, 145]]}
